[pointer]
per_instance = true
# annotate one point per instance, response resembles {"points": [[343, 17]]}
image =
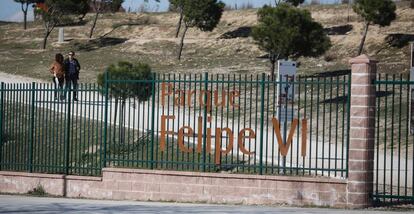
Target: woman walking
{"points": [[57, 69]]}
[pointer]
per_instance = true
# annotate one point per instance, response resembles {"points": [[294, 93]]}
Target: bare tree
{"points": [[54, 12], [97, 6], [25, 5], [179, 6]]}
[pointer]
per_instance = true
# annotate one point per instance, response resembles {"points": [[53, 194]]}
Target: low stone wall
{"points": [[21, 182], [144, 185]]}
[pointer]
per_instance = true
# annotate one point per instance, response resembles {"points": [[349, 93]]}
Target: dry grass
{"points": [[150, 38]]}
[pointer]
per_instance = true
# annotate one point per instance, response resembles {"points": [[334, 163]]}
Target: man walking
{"points": [[72, 68]]}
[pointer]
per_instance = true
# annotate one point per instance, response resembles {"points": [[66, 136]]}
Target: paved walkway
{"points": [[24, 204], [11, 78]]}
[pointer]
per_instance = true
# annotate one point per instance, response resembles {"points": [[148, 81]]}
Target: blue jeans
{"points": [[72, 84], [58, 86]]}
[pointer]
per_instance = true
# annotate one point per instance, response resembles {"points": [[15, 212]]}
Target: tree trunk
{"points": [[25, 20], [45, 39], [179, 23], [364, 37], [272, 58], [348, 10], [25, 14], [180, 51], [93, 25], [273, 62], [82, 17], [277, 2], [48, 30]]}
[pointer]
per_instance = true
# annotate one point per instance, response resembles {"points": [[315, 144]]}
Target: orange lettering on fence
{"points": [[187, 131], [164, 130], [229, 147], [304, 136], [207, 99], [181, 135], [202, 98], [240, 142]]}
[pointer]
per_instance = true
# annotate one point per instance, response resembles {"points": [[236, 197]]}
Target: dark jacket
{"points": [[77, 69]]}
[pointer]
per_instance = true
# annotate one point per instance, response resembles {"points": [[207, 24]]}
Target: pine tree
{"points": [[288, 32], [142, 91], [201, 14], [377, 12]]}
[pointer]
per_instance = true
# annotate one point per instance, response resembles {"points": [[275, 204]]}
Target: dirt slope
{"points": [[228, 49]]}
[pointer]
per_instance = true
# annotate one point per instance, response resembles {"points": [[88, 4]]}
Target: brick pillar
{"points": [[362, 132]]}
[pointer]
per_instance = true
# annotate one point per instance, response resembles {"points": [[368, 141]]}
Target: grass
{"points": [[49, 144], [150, 38], [38, 191]]}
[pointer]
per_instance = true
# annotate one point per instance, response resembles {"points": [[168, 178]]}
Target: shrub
{"points": [[38, 191]]}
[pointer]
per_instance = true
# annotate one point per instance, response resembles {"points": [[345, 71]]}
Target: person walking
{"points": [[58, 74], [72, 68]]}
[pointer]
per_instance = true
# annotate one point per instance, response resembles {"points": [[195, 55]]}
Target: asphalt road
{"points": [[24, 204]]}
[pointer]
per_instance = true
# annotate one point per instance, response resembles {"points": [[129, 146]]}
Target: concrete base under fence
{"points": [[153, 185]]}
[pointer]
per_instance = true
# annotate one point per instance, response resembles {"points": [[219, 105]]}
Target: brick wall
{"points": [[362, 132], [20, 182], [144, 185]]}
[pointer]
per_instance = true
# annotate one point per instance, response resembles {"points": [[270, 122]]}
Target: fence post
{"points": [[32, 127], [67, 131], [1, 122], [105, 135], [262, 94], [362, 132], [154, 81], [205, 123]]}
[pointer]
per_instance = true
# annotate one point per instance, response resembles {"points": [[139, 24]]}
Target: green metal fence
{"points": [[393, 175], [197, 122], [41, 134]]}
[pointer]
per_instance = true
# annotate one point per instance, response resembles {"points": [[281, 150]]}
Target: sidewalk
{"points": [[25, 204]]}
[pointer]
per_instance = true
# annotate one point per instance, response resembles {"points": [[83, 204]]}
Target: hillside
{"points": [[150, 38]]}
